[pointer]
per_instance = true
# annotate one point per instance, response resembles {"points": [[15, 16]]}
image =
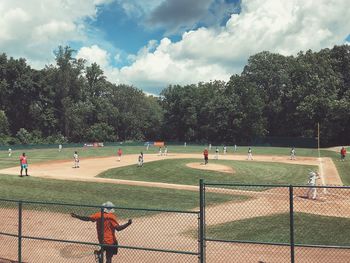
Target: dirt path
{"points": [[166, 230]]}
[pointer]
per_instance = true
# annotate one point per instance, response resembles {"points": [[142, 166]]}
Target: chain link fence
{"points": [[261, 223], [278, 224], [46, 232]]}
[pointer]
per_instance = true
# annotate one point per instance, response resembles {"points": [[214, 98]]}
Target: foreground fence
{"points": [[259, 223], [45, 232], [265, 223]]}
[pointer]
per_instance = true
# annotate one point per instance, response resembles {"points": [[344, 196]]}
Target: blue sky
{"points": [[152, 44]]}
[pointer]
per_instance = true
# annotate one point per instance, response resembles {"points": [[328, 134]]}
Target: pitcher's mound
{"points": [[211, 167]]}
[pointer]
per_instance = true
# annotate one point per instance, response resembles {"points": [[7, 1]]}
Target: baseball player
{"points": [[209, 146], [185, 144], [205, 154], [342, 154], [147, 146], [76, 159], [24, 164], [216, 157], [250, 154], [225, 149], [120, 152], [110, 225], [166, 151], [160, 153], [312, 191], [10, 152], [60, 148], [140, 160], [235, 148], [292, 154]]}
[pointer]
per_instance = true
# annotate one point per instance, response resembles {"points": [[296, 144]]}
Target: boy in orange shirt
{"points": [[110, 226], [24, 164]]}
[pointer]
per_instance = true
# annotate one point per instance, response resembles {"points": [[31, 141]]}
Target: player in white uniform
{"points": [[225, 149], [209, 146], [216, 156], [60, 148], [140, 160], [312, 192], [166, 151], [76, 159], [250, 154], [160, 153], [10, 152], [292, 154]]}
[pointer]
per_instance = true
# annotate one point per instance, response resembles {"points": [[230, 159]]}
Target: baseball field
{"points": [[250, 214]]}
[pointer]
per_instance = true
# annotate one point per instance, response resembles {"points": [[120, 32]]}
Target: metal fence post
{"points": [[201, 221], [20, 232], [291, 223], [102, 232]]}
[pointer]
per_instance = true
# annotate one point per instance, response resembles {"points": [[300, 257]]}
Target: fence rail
{"points": [[271, 223]]}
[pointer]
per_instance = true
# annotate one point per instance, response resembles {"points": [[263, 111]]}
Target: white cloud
{"points": [[34, 28], [94, 54], [216, 53]]}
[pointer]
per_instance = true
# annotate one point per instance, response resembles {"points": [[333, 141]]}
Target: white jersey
{"points": [[312, 178], [76, 157]]}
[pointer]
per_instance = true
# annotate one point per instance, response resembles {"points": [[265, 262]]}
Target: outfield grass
{"points": [[37, 189], [176, 171], [309, 229]]}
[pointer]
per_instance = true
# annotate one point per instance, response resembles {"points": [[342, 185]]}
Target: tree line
{"points": [[275, 95]]}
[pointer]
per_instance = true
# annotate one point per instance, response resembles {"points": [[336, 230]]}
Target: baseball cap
{"points": [[108, 207]]}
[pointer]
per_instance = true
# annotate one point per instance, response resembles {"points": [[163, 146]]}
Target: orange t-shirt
{"points": [[110, 223], [23, 159]]}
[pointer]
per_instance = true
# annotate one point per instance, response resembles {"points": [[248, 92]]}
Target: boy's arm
{"points": [[122, 227], [83, 218]]}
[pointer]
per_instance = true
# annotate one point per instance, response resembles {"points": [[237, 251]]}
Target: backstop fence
{"points": [[259, 223]]}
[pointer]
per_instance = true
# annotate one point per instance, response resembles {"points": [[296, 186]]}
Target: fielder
{"points": [[225, 149], [120, 152], [107, 237], [209, 146], [140, 160], [250, 154], [166, 151], [292, 154], [205, 154], [10, 152], [160, 153], [342, 154], [312, 191], [216, 156], [60, 148], [76, 159]]}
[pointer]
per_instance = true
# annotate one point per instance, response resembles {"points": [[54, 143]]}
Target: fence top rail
{"points": [[276, 185], [100, 207]]}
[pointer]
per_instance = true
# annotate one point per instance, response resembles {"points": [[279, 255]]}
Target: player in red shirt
{"points": [[120, 152], [110, 226], [205, 153], [24, 164], [342, 153]]}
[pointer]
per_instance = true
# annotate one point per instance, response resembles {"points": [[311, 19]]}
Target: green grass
{"points": [[176, 171], [309, 229], [37, 189]]}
